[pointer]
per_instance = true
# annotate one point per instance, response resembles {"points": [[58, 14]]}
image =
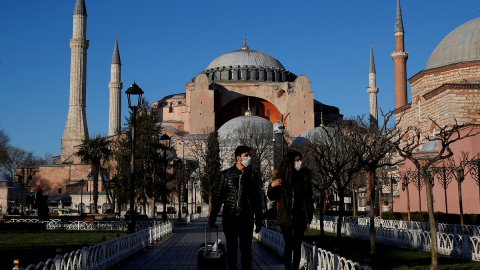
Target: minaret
{"points": [[76, 128], [372, 90], [115, 85], [400, 62]]}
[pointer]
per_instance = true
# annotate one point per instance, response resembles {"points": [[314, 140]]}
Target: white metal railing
{"points": [[312, 257], [105, 254], [417, 236], [117, 225], [471, 230]]}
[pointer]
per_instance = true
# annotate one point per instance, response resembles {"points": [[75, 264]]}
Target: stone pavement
{"points": [[179, 251]]}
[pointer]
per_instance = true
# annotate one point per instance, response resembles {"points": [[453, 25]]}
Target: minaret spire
{"points": [[400, 62], [372, 89], [115, 85], [76, 128]]}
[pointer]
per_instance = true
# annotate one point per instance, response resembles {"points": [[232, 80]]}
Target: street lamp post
{"points": [[82, 182], [166, 144], [475, 173], [444, 179], [460, 178], [179, 164], [405, 186], [392, 186], [133, 90], [418, 183], [195, 192]]}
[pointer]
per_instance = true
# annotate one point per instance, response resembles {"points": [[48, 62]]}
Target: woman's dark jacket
{"points": [[240, 199], [302, 208]]}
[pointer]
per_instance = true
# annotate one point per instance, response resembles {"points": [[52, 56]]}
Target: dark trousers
{"points": [[238, 230], [292, 236]]}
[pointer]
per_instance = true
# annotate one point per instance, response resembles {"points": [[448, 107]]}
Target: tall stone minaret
{"points": [[76, 128], [115, 85], [372, 90], [400, 62]]}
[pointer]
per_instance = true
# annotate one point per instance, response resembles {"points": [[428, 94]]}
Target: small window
{"points": [[60, 191], [268, 112]]}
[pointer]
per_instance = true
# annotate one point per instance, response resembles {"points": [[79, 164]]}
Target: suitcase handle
{"points": [[206, 240]]}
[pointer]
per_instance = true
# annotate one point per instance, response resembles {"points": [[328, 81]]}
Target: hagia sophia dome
{"points": [[245, 58], [247, 65], [461, 45]]}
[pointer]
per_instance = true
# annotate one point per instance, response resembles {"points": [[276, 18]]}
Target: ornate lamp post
{"points": [[475, 173], [131, 92], [392, 186], [405, 186], [460, 178], [444, 177], [165, 139], [418, 183], [179, 165], [82, 182], [195, 190]]}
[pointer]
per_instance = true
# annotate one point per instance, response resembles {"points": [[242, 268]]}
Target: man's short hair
{"points": [[242, 149]]}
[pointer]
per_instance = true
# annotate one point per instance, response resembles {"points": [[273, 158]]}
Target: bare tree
{"points": [[205, 148], [374, 146], [330, 148], [260, 138], [410, 140], [16, 158]]}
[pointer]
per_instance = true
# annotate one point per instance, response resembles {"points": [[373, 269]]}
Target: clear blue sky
{"points": [[164, 44]]}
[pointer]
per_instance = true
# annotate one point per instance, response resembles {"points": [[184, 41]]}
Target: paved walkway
{"points": [[179, 251]]}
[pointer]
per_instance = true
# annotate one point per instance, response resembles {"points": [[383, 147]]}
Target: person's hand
{"points": [[277, 182]]}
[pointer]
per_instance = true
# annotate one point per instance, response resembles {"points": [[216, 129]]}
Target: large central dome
{"points": [[247, 65], [245, 57], [461, 45]]}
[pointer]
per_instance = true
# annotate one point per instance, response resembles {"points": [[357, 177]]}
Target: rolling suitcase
{"points": [[209, 258]]}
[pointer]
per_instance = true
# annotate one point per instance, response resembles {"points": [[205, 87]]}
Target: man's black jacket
{"points": [[240, 199]]}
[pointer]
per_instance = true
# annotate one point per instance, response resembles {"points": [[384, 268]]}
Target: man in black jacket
{"points": [[238, 191]]}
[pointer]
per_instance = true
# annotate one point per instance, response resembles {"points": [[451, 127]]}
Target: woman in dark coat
{"points": [[293, 192]]}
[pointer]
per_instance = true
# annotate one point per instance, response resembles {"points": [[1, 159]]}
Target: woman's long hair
{"points": [[287, 166]]}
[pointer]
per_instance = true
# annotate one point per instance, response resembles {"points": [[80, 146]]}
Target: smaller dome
{"points": [[230, 130], [461, 45], [311, 135]]}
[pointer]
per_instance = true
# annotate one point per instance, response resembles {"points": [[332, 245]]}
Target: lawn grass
{"points": [[35, 247], [387, 257]]}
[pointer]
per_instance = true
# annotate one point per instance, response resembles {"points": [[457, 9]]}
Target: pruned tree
{"points": [[374, 146], [410, 140], [334, 161]]}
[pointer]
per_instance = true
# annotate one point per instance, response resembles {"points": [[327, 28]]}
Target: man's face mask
{"points": [[246, 161]]}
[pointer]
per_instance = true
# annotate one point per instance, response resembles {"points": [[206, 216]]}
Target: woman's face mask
{"points": [[298, 165]]}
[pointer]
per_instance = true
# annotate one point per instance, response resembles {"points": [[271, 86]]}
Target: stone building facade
{"points": [[448, 90]]}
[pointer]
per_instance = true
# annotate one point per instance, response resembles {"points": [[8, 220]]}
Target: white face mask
{"points": [[298, 165], [246, 161]]}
